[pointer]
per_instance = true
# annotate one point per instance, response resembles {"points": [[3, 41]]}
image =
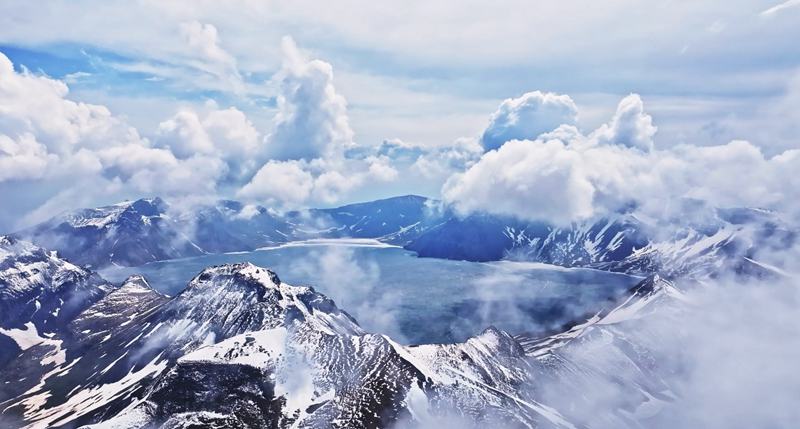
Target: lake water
{"points": [[415, 300]]}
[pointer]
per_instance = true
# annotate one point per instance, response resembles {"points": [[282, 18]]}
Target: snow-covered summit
{"points": [[39, 287], [142, 210], [237, 298]]}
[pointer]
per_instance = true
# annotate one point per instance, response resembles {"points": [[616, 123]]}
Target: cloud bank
{"points": [[46, 137], [725, 358], [565, 176], [197, 153]]}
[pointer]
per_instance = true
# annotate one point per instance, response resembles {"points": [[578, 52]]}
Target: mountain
{"points": [[394, 220], [482, 237], [723, 239], [701, 244], [136, 232], [129, 233], [613, 370], [240, 348], [228, 226], [727, 240], [39, 294]]}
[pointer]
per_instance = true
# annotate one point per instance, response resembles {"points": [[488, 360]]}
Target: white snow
{"points": [[86, 400], [258, 349], [25, 338]]}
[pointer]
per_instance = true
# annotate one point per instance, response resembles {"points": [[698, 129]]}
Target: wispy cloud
{"points": [[780, 7]]}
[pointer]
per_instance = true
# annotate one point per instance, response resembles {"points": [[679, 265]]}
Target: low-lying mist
{"points": [[418, 300]]}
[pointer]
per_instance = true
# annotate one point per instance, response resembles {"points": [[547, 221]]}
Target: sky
{"points": [[544, 110]]}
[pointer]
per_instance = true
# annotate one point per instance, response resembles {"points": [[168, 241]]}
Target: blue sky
{"points": [[427, 75]]}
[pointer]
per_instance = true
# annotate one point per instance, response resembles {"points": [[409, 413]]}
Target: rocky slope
{"points": [[240, 348]]}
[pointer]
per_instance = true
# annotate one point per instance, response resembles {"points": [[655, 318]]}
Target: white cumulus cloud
{"points": [[284, 181], [307, 147], [312, 117], [226, 134], [46, 138], [23, 158], [565, 176], [631, 126], [527, 116]]}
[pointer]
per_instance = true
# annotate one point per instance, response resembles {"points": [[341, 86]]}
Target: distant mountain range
{"points": [[240, 348], [146, 230]]}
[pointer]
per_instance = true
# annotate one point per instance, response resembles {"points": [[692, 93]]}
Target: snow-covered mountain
{"points": [[129, 233], [724, 239], [133, 233], [482, 237], [240, 348], [728, 240], [394, 220], [39, 294], [614, 352], [136, 232]]}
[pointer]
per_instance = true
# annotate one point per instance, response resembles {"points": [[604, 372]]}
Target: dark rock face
{"points": [[489, 238], [396, 220], [217, 395]]}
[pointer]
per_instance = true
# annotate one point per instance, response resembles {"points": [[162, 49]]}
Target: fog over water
{"points": [[415, 300]]}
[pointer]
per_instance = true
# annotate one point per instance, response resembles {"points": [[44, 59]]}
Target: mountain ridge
{"points": [[237, 332], [148, 230]]}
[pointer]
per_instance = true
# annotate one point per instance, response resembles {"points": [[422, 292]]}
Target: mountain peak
{"points": [[498, 340], [137, 284], [242, 270]]}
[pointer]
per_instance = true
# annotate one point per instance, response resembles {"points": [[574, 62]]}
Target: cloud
{"points": [[203, 41], [279, 181], [630, 126], [774, 124], [527, 116], [23, 158], [68, 153], [780, 7], [565, 176], [448, 73], [184, 134], [724, 358], [296, 183], [46, 137], [312, 117], [432, 163], [354, 283], [310, 140], [73, 78], [223, 133], [157, 171], [531, 180], [37, 105]]}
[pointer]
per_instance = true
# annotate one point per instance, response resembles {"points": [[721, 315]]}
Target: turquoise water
{"points": [[415, 300]]}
